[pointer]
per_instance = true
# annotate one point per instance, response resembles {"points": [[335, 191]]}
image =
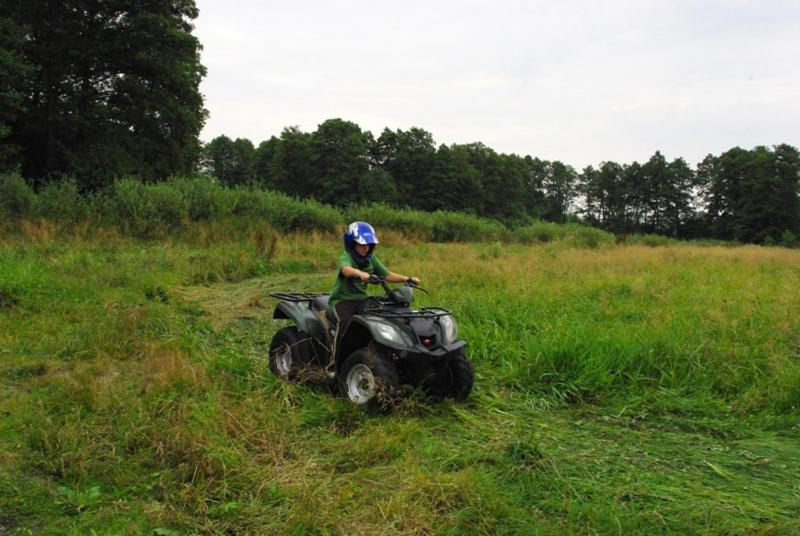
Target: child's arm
{"points": [[349, 271], [399, 278]]}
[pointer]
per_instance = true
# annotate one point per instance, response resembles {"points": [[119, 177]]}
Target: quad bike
{"points": [[387, 344]]}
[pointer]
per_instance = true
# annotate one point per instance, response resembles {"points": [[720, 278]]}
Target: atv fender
{"points": [[306, 319], [365, 328]]}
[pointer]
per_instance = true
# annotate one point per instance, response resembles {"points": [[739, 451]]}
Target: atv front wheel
{"points": [[454, 378], [288, 353], [367, 377]]}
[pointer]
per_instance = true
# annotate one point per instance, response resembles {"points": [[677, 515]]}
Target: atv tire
{"points": [[289, 353], [370, 378], [454, 379]]}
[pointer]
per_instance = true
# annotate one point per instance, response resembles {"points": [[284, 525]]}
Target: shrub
{"points": [[16, 197], [204, 198], [585, 236], [61, 200], [146, 210], [412, 223], [789, 239], [457, 227], [652, 240], [574, 234]]}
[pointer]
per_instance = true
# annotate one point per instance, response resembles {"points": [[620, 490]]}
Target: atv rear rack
{"points": [[296, 296]]}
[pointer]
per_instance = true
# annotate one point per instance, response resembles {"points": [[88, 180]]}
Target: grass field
{"points": [[619, 390]]}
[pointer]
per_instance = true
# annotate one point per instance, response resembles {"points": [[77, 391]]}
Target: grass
{"points": [[623, 389]]}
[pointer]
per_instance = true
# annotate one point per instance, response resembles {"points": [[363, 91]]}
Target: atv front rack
{"points": [[296, 296], [379, 309]]}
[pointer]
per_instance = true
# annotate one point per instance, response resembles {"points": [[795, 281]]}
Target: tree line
{"points": [[94, 91], [745, 195]]}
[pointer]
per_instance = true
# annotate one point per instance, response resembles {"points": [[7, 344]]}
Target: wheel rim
{"points": [[283, 360], [360, 384]]}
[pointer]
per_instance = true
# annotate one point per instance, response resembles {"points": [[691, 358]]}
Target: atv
{"points": [[387, 344]]}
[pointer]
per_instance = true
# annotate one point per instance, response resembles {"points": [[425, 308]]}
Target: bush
{"points": [[584, 236], [789, 239], [439, 226], [204, 198], [16, 197], [539, 231], [457, 227], [147, 210], [652, 240], [413, 223], [61, 200]]}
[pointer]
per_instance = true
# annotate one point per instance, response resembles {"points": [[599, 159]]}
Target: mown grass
{"points": [[622, 389]]}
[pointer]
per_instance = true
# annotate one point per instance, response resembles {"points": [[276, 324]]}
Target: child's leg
{"points": [[343, 311]]}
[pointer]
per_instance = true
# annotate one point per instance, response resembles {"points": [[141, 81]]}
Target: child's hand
{"points": [[364, 276], [414, 280]]}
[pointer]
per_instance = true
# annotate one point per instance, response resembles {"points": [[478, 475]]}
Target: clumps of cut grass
{"points": [[597, 370], [7, 299]]}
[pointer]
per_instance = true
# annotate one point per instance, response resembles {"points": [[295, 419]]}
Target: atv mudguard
{"points": [[307, 319]]}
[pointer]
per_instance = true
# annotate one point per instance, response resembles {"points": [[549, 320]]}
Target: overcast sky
{"points": [[576, 81]]}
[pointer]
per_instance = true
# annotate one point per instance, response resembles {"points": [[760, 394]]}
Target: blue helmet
{"points": [[360, 232]]}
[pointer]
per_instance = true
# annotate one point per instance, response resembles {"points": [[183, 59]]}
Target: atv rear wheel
{"points": [[453, 379], [289, 352], [368, 377]]}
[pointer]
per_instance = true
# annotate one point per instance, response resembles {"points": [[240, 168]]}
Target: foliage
{"points": [[575, 234], [158, 209], [14, 68], [752, 196], [147, 210], [16, 197], [110, 89], [135, 396], [62, 200]]}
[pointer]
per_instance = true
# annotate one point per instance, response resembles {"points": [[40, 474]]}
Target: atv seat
{"points": [[321, 304]]}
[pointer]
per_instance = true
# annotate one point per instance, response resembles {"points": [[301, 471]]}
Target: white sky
{"points": [[579, 81]]}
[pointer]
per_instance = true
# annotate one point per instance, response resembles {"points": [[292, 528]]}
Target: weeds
{"points": [[618, 389]]}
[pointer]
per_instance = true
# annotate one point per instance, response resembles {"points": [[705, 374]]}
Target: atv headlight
{"points": [[389, 333], [449, 330]]}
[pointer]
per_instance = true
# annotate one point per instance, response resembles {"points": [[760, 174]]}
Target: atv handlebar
{"points": [[378, 280]]}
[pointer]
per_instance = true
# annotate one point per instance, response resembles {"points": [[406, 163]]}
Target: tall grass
{"points": [[161, 209], [619, 389]]}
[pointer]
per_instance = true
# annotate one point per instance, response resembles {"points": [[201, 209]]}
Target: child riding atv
{"points": [[373, 347], [356, 264]]}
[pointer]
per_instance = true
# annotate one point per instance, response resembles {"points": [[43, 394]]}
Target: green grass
{"points": [[623, 389]]}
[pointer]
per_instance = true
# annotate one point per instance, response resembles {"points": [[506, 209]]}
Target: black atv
{"points": [[387, 345]]}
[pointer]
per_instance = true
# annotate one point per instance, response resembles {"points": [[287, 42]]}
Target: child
{"points": [[357, 261]]}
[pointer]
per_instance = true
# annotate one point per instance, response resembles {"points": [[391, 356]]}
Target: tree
{"points": [[340, 157], [291, 168], [409, 158], [560, 187], [534, 186], [263, 168], [377, 185], [768, 205], [113, 89], [231, 162], [452, 184], [13, 70], [604, 196], [676, 198], [752, 196]]}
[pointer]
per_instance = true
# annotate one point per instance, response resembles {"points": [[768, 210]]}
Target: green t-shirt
{"points": [[348, 289]]}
